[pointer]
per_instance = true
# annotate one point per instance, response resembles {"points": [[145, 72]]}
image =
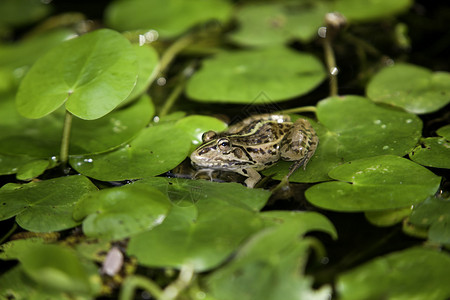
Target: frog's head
{"points": [[218, 152]]}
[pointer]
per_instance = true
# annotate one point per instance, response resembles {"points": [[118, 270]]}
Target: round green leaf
{"points": [[44, 206], [91, 74], [356, 10], [242, 76], [372, 130], [390, 217], [155, 150], [434, 152], [277, 23], [171, 19], [117, 213], [59, 269], [195, 235], [191, 191], [413, 88], [14, 248], [415, 273], [375, 183], [10, 164], [203, 229], [195, 126], [433, 214]]}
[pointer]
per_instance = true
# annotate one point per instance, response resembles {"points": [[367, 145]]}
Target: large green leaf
{"points": [[434, 151], [157, 149], [170, 19], [42, 138], [372, 130], [265, 24], [117, 213], [268, 265], [202, 230], [44, 206], [375, 183], [415, 273], [413, 88], [91, 74], [242, 76]]}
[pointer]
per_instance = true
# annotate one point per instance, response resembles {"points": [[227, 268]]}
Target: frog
{"points": [[256, 143]]}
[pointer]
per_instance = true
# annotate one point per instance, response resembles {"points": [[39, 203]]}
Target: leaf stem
{"points": [[8, 234], [312, 109], [64, 151], [172, 98], [133, 282], [174, 289], [173, 50], [332, 69]]}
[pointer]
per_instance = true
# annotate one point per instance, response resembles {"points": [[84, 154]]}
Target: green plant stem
{"points": [[331, 66], [133, 282], [299, 110], [172, 99], [64, 152], [173, 50], [173, 290], [8, 234]]}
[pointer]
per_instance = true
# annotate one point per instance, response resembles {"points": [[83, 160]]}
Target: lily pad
{"points": [[117, 213], [434, 151], [266, 24], [10, 164], [91, 74], [416, 273], [42, 138], [433, 214], [372, 130], [389, 217], [275, 256], [241, 76], [187, 191], [196, 125], [13, 249], [202, 231], [413, 88], [157, 149], [44, 206], [375, 183], [359, 11], [171, 19]]}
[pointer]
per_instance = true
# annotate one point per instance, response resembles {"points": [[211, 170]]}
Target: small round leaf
{"points": [[91, 74]]}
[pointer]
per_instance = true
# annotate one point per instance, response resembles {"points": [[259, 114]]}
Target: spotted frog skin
{"points": [[256, 143]]}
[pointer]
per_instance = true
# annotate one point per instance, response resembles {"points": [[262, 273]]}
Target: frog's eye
{"points": [[208, 136], [224, 144]]}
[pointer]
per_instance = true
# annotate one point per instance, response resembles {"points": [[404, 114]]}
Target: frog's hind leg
{"points": [[299, 145]]}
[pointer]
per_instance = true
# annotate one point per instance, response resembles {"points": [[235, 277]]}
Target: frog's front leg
{"points": [[253, 177], [299, 145]]}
